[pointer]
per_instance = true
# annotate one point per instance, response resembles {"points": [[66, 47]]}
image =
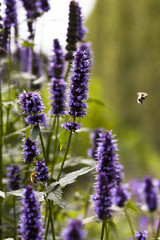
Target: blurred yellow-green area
{"points": [[125, 38]]}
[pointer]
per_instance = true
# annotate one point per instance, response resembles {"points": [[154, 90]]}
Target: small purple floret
{"points": [[94, 138], [74, 231], [71, 126], [14, 176], [36, 119], [31, 227], [41, 171], [141, 236], [30, 150], [121, 196]]}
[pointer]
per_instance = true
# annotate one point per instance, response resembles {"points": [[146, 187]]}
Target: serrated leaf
{"points": [[63, 136], [28, 129], [55, 194], [2, 194], [17, 193], [34, 133], [113, 228], [71, 177], [27, 44], [130, 205], [89, 219]]}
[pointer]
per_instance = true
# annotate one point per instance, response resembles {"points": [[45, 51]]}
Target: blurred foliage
{"points": [[125, 38]]}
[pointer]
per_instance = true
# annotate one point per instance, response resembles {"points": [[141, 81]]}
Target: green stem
{"points": [[49, 220], [47, 226], [158, 230], [49, 140], [1, 144], [55, 146], [102, 230], [42, 143], [129, 222], [14, 217], [9, 84], [67, 72], [152, 223], [52, 225], [107, 231], [69, 141]]}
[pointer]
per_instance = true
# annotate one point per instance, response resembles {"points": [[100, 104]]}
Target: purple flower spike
{"points": [[14, 177], [43, 5], [121, 196], [71, 126], [57, 62], [150, 193], [11, 12], [94, 138], [102, 200], [30, 102], [41, 171], [31, 227], [30, 150], [74, 231], [57, 89], [36, 119], [79, 85], [141, 236], [107, 158]]}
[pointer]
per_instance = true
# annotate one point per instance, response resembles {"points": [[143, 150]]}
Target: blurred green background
{"points": [[125, 38]]}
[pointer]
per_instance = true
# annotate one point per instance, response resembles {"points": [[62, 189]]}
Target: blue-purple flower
{"points": [[150, 193], [30, 150], [94, 138], [11, 12], [31, 227], [41, 171], [30, 102], [43, 5], [14, 176], [121, 196], [79, 85], [36, 119], [74, 231], [141, 236], [108, 159], [57, 62], [57, 90], [102, 199], [71, 126]]}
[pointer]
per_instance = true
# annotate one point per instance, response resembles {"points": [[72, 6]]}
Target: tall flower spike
{"points": [[121, 196], [94, 137], [141, 236], [30, 150], [11, 12], [57, 90], [107, 158], [102, 200], [79, 85], [41, 171], [14, 177], [57, 63], [74, 231], [150, 194], [75, 31], [31, 226]]}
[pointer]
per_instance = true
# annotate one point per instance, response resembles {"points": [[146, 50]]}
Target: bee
{"points": [[33, 178], [141, 97]]}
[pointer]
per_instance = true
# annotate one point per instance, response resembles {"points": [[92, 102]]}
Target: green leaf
{"points": [[2, 194], [97, 101], [113, 228], [63, 137], [17, 193], [28, 129], [34, 133], [27, 44], [55, 194], [89, 219], [71, 177], [130, 205], [19, 132]]}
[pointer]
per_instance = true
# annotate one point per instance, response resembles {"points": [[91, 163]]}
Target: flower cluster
{"points": [[30, 150], [71, 126], [14, 177], [43, 5], [121, 196], [31, 227], [41, 171], [74, 231], [31, 104], [150, 193], [11, 12], [141, 236]]}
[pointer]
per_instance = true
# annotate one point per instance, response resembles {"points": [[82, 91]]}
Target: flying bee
{"points": [[141, 97], [33, 178]]}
